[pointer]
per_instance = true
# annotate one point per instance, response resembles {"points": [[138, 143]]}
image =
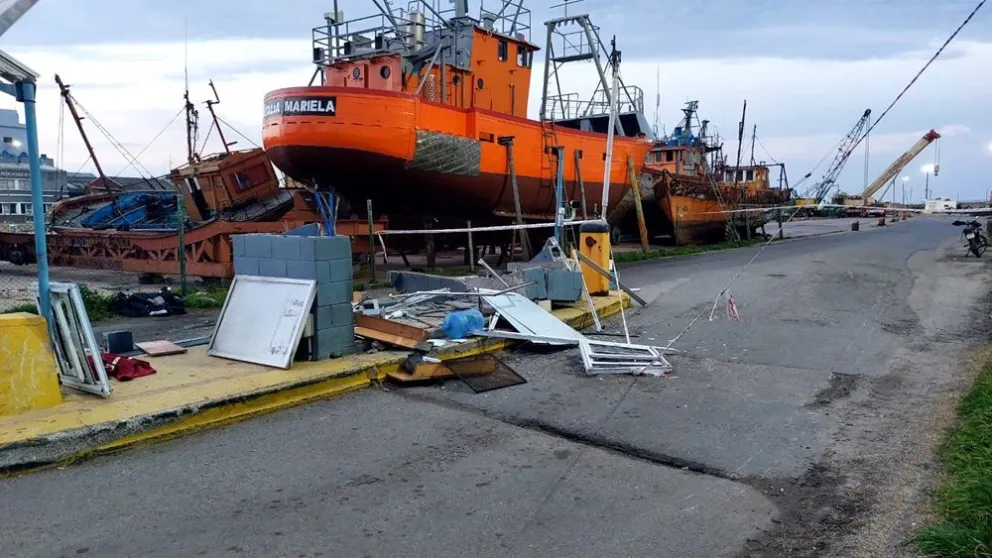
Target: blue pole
{"points": [[559, 194], [26, 94]]}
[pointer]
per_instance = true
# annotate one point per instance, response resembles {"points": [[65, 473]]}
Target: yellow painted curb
{"points": [[193, 417], [239, 410]]}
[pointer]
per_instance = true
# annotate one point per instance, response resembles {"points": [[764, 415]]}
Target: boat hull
{"points": [[412, 157]]}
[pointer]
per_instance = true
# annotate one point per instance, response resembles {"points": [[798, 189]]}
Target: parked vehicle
{"points": [[972, 236]]}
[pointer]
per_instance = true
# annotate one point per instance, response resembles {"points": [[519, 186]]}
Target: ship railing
{"points": [[358, 38], [511, 19], [570, 107], [405, 30], [574, 45]]}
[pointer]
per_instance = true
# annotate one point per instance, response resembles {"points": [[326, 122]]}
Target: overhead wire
{"points": [[153, 140], [116, 144], [923, 69], [236, 131], [761, 248]]}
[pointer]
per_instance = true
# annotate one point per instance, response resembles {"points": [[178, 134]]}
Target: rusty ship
{"points": [[425, 114], [699, 196], [137, 228]]}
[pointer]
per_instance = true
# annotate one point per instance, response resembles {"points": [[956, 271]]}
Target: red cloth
{"points": [[125, 368]]}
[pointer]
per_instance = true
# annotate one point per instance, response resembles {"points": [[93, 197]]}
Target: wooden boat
{"points": [[415, 111], [231, 192]]}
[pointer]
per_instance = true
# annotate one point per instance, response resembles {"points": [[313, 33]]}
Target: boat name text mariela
{"points": [[301, 106]]}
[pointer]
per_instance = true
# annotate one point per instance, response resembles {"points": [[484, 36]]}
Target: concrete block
{"points": [[329, 294], [539, 290], [332, 317], [564, 285], [307, 248], [272, 268], [301, 270], [258, 245], [335, 342], [333, 248], [323, 270], [340, 270], [239, 245], [246, 266], [285, 247], [410, 281]]}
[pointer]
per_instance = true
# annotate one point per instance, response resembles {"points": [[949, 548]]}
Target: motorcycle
{"points": [[972, 237]]}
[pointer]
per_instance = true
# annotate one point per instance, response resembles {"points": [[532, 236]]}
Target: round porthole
{"points": [[479, 83], [456, 80], [384, 72], [356, 73]]}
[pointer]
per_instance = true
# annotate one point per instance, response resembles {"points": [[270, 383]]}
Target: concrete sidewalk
{"points": [[193, 391]]}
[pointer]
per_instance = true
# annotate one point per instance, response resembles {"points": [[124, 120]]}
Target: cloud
{"points": [[802, 106]]}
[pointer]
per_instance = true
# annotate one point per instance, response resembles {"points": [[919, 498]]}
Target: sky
{"points": [[807, 69]]}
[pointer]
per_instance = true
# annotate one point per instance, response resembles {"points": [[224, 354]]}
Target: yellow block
{"points": [[594, 243], [28, 373]]}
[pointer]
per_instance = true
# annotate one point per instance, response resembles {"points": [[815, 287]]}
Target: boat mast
{"points": [[192, 116], [213, 115], [67, 97]]}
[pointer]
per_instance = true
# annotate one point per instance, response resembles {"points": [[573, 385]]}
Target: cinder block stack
{"points": [[326, 259]]}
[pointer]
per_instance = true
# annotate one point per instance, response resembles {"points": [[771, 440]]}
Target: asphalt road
{"points": [[805, 430]]}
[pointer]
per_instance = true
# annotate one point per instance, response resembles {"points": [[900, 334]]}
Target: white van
{"points": [[939, 206]]}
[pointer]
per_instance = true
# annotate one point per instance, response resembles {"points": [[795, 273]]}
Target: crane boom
{"points": [[899, 164], [820, 190]]}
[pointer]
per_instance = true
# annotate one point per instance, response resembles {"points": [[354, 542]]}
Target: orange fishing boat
{"points": [[425, 114]]}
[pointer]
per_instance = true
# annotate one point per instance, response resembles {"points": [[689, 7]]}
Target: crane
{"points": [[899, 164], [816, 193]]}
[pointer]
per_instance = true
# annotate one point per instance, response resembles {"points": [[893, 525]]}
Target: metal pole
{"points": [[368, 208], [181, 249], [582, 185], [559, 195], [615, 60], [26, 94], [471, 250]]}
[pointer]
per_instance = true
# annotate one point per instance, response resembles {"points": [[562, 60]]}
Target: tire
{"points": [[616, 235], [983, 244], [974, 247]]}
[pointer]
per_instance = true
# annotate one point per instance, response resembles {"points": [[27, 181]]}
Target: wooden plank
{"points": [[391, 327], [389, 339], [160, 348]]}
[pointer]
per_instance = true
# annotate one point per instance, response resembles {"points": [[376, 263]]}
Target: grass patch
{"points": [[29, 308], [98, 305], [640, 256], [207, 298], [964, 500]]}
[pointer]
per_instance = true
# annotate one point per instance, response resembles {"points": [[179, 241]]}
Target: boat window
{"points": [[193, 184], [8, 139], [740, 175], [480, 83], [504, 50], [669, 156], [524, 57], [242, 180], [749, 175]]}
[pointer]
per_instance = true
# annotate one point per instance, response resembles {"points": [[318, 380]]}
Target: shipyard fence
{"points": [[100, 288]]}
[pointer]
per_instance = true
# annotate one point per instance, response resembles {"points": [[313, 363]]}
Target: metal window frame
{"points": [[72, 337], [298, 327]]}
